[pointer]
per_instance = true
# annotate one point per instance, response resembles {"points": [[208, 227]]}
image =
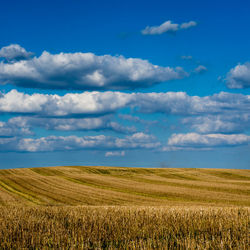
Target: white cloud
{"points": [[100, 103], [232, 122], [86, 71], [85, 104], [239, 77], [62, 143], [167, 26], [219, 113], [11, 129], [188, 25], [136, 140], [70, 124], [14, 52], [114, 153], [194, 140], [182, 104], [200, 69]]}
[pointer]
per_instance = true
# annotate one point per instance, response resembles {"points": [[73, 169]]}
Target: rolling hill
{"points": [[78, 185]]}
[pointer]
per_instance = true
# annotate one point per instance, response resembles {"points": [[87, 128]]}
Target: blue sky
{"points": [[125, 83]]}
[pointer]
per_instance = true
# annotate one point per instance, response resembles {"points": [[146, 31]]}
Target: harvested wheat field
{"points": [[124, 186], [124, 208], [124, 228]]}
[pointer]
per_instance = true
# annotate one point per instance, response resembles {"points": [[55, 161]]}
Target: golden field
{"points": [[124, 228], [124, 208], [124, 186]]}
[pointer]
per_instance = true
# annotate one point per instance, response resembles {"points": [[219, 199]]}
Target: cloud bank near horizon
{"points": [[140, 140], [208, 116], [195, 141], [60, 143]]}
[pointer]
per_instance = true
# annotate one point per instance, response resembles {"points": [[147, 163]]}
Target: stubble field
{"points": [[118, 208]]}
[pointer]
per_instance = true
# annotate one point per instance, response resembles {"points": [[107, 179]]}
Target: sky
{"points": [[125, 83]]}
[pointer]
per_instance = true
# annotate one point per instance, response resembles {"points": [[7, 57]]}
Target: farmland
{"points": [[124, 228], [124, 208], [124, 186]]}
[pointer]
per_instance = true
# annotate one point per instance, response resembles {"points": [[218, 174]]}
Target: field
{"points": [[124, 208], [124, 186], [124, 228]]}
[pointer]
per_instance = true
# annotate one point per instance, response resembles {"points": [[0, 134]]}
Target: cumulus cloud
{"points": [[115, 153], [69, 105], [62, 143], [182, 104], [195, 140], [71, 124], [100, 103], [12, 129], [232, 122], [86, 71], [167, 27], [239, 77], [210, 116], [14, 52]]}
